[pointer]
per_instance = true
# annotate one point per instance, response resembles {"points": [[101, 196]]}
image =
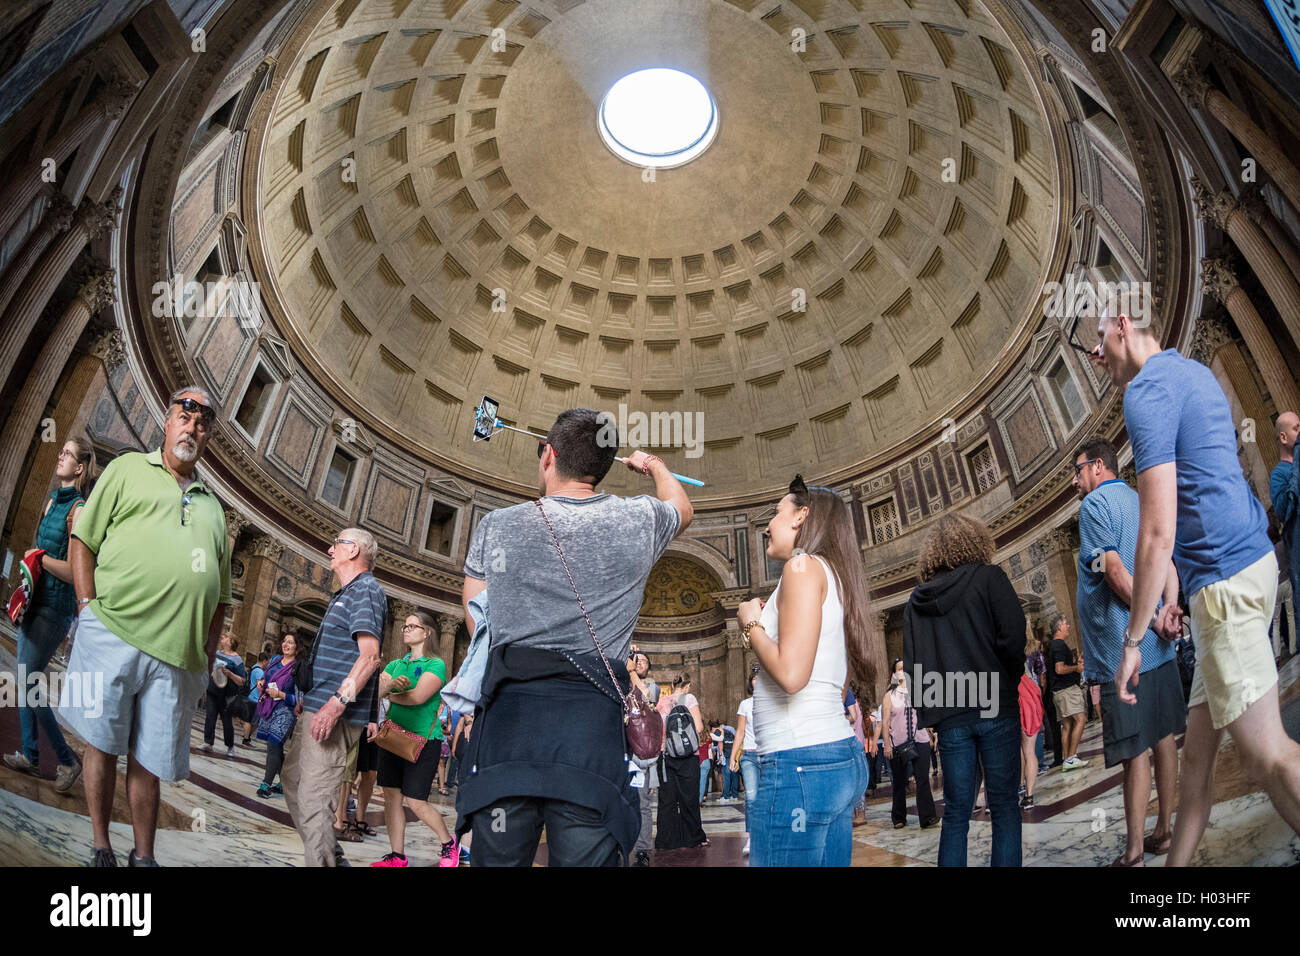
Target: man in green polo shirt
{"points": [[151, 565]]}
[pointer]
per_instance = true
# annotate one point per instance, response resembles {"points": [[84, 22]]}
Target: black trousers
{"points": [[919, 769], [274, 761], [1052, 729], [507, 832], [679, 804], [219, 706]]}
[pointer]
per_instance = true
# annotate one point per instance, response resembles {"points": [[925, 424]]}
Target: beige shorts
{"points": [[1068, 702], [1234, 658]]}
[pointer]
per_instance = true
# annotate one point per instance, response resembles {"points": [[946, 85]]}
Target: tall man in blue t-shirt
{"points": [[1284, 489], [1108, 536], [1195, 504]]}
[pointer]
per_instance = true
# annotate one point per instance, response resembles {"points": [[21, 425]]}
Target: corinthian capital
{"points": [[1208, 337], [1192, 85], [99, 218], [1218, 278], [1211, 206]]}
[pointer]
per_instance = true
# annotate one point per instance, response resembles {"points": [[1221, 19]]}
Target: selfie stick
{"points": [[498, 423]]}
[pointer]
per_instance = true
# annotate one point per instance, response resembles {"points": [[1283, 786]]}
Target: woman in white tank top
{"points": [[812, 770]]}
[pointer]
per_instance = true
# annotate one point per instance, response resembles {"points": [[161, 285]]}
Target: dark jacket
{"points": [[967, 621], [550, 725]]}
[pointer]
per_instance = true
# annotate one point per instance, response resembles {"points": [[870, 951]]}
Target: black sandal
{"points": [[365, 827]]}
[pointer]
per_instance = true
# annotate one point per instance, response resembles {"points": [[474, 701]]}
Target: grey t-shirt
{"points": [[611, 544]]}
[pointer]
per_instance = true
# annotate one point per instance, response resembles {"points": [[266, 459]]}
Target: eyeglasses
{"points": [[185, 508], [338, 541], [541, 448], [412, 627], [1079, 466], [191, 407]]}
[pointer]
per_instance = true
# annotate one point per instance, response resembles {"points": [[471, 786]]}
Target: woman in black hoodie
{"points": [[964, 651]]}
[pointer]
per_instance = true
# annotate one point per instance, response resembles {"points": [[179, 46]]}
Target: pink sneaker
{"points": [[450, 854], [391, 859]]}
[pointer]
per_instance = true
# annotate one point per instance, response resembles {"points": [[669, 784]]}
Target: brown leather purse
{"points": [[400, 741], [643, 726]]}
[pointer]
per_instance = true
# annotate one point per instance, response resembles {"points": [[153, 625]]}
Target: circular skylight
{"points": [[658, 117]]}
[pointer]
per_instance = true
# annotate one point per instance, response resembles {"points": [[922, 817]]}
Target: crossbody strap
{"points": [[590, 627]]}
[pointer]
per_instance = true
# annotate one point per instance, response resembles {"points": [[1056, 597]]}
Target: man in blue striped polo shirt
{"points": [[1108, 535], [345, 667]]}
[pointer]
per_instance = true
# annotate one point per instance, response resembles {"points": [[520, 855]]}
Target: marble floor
{"points": [[215, 819]]}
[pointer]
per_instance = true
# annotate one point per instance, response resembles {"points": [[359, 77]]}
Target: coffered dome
{"points": [[855, 255]]}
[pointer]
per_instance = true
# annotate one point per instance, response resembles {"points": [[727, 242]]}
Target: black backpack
{"points": [[681, 739]]}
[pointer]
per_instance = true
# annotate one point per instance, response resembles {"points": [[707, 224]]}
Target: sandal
{"points": [[1158, 847], [364, 827], [443, 791], [899, 826], [1122, 861], [348, 834]]}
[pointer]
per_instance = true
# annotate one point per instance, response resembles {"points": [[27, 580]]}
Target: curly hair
{"points": [[955, 540]]}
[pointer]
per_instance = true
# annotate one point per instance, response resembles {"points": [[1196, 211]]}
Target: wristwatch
{"points": [[343, 700], [1133, 642]]}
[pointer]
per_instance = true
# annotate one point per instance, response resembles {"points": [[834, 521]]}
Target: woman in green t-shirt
{"points": [[413, 686]]}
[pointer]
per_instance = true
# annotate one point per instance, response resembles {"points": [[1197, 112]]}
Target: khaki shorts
{"points": [[1234, 657], [1068, 702]]}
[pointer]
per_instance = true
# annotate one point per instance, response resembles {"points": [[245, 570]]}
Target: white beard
{"points": [[185, 453]]}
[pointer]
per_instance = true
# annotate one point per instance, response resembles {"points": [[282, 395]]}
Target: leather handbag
{"points": [[400, 741], [643, 725], [906, 751]]}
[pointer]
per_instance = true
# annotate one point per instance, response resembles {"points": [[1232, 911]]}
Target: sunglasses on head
{"points": [[797, 487], [541, 447], [191, 407]]}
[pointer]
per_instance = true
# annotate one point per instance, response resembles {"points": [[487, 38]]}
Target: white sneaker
{"points": [[207, 748], [230, 752], [745, 851]]}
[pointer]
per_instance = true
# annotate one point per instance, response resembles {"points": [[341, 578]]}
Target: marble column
{"points": [[91, 220], [58, 218], [78, 391], [393, 646], [735, 684], [1212, 345], [259, 589], [1219, 279], [25, 184], [1252, 200], [1063, 576], [1198, 91], [96, 291], [447, 624], [1226, 212]]}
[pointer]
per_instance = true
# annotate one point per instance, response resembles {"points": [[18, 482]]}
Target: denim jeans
{"points": [[42, 631], [705, 768], [803, 815], [749, 773], [730, 783], [996, 743]]}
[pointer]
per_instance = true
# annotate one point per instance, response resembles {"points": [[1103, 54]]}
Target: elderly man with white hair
{"points": [[1284, 490], [151, 566], [344, 664]]}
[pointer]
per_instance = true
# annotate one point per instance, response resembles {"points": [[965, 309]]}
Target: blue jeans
{"points": [[705, 768], [997, 743], [803, 815], [42, 632], [749, 773], [730, 785]]}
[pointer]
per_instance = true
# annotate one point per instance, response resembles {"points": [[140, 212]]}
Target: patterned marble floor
{"points": [[214, 818]]}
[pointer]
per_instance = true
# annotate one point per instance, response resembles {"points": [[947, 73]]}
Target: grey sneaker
{"points": [[133, 860], [230, 752], [66, 777], [103, 857], [18, 761]]}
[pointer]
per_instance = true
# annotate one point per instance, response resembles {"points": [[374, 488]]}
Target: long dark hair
{"points": [[828, 533]]}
